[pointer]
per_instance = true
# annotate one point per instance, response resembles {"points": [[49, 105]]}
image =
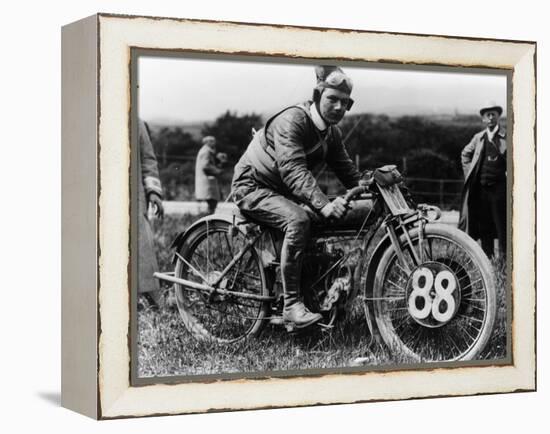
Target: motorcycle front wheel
{"points": [[202, 258], [437, 303]]}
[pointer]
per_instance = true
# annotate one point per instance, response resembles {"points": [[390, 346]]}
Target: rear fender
{"points": [[182, 237]]}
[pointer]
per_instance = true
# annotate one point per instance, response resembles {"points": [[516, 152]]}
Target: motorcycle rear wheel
{"points": [[220, 318], [462, 337]]}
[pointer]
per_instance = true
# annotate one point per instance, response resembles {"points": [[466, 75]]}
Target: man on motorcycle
{"points": [[275, 179]]}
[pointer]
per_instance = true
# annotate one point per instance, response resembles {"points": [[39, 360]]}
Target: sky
{"points": [[186, 90]]}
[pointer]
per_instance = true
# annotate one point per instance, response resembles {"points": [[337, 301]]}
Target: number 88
{"points": [[442, 293]]}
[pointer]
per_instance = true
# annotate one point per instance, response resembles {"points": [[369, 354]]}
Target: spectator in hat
{"points": [[483, 205], [208, 168], [275, 183]]}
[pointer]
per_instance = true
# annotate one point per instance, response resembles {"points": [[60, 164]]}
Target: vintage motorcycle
{"points": [[426, 288]]}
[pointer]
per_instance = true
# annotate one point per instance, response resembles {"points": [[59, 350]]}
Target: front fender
{"points": [[364, 278], [370, 274]]}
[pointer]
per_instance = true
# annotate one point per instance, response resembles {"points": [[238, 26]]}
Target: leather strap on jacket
{"points": [[263, 161], [269, 149]]}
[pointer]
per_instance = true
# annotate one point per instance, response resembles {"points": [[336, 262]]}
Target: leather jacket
{"points": [[288, 152]]}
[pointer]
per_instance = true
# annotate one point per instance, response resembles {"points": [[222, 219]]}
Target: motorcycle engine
{"points": [[326, 278]]}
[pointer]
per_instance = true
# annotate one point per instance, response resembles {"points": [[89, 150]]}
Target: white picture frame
{"points": [[96, 219]]}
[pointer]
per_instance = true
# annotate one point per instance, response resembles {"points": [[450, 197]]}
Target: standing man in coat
{"points": [[274, 181], [149, 196], [208, 168], [483, 208]]}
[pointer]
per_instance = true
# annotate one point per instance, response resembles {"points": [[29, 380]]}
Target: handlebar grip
{"points": [[355, 191]]}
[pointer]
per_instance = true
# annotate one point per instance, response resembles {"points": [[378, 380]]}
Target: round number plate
{"points": [[433, 294]]}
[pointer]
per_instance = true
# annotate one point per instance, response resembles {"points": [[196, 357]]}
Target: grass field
{"points": [[165, 347]]}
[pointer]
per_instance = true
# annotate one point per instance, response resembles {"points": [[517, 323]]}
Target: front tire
{"points": [[445, 321]]}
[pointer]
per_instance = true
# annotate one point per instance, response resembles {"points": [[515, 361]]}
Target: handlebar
{"points": [[355, 191]]}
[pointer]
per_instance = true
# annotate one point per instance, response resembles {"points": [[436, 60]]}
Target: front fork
{"points": [[433, 282], [397, 227]]}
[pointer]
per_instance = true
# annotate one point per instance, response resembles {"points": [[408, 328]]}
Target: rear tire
{"points": [[221, 318]]}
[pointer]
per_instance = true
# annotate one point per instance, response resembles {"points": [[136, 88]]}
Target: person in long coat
{"points": [[483, 203], [208, 168], [149, 195]]}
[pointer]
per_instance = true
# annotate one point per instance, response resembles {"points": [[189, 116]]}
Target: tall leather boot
{"points": [[295, 313]]}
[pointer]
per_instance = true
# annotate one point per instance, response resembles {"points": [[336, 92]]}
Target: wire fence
{"points": [[445, 193]]}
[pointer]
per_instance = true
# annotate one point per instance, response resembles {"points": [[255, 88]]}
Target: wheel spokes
{"points": [[452, 339], [223, 316]]}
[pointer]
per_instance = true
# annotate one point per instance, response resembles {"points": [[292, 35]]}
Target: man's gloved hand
{"points": [[158, 208], [335, 209]]}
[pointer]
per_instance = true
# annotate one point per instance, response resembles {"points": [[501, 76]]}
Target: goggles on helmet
{"points": [[337, 80]]}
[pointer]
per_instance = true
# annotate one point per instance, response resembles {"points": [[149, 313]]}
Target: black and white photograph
{"points": [[293, 217], [277, 217]]}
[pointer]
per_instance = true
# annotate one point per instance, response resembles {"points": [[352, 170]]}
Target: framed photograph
{"points": [[260, 216]]}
